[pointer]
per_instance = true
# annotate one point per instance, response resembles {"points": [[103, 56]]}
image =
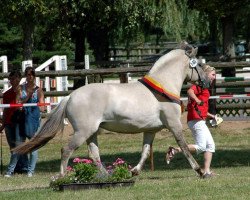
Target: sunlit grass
{"points": [[175, 181]]}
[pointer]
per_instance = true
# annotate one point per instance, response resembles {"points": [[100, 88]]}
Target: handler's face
{"points": [[212, 76]]}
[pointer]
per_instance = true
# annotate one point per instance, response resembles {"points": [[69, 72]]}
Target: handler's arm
{"points": [[210, 115], [192, 95]]}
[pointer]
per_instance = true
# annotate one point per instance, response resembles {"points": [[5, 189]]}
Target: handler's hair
{"points": [[208, 68], [31, 70]]}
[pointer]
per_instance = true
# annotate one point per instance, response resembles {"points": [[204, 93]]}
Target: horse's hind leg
{"points": [[94, 151], [148, 139], [77, 140]]}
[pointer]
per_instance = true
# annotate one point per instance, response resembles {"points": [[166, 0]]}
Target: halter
{"points": [[193, 64]]}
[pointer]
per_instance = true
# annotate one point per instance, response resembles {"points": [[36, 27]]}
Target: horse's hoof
{"points": [[53, 178], [134, 172], [199, 172]]}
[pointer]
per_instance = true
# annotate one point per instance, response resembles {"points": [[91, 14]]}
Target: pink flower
{"points": [[119, 161], [69, 169], [109, 167], [76, 160], [87, 161]]}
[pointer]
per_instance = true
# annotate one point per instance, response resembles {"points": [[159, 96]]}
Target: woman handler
{"points": [[196, 117]]}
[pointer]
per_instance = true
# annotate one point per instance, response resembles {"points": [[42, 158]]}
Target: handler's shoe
{"points": [[8, 175], [29, 174], [208, 175], [170, 154]]}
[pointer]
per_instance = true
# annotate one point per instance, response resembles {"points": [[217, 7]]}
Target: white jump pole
{"points": [[4, 61], [86, 61]]}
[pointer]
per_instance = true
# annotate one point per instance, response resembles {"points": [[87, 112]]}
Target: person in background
{"points": [[240, 49], [30, 93], [197, 113], [12, 132]]}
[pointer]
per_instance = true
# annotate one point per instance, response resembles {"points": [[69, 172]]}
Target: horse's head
{"points": [[195, 74]]}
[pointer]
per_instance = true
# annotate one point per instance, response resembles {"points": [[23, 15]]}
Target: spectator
{"points": [[11, 127], [30, 93], [240, 49]]}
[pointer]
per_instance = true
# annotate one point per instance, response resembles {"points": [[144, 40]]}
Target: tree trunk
{"points": [[213, 21], [98, 40], [28, 40], [79, 37], [228, 44], [248, 34]]}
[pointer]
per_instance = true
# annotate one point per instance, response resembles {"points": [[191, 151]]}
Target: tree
{"points": [[226, 12], [26, 14], [10, 41], [94, 21]]}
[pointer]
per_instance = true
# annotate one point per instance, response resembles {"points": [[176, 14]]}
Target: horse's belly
{"points": [[126, 126]]}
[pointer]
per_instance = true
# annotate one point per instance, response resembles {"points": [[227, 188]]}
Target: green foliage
{"points": [[218, 8], [10, 41], [85, 171], [56, 182], [56, 23], [24, 11], [121, 172]]}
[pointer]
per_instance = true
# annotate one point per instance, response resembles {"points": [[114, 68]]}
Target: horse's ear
{"points": [[194, 52], [183, 45], [189, 49]]}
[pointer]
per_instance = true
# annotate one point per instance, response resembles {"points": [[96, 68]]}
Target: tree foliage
{"points": [[25, 13], [226, 12], [218, 8], [69, 24]]}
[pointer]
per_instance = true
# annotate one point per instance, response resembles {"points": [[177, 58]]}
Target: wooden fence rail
{"points": [[120, 70]]}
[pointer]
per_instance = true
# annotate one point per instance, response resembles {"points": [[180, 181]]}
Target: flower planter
{"points": [[84, 186]]}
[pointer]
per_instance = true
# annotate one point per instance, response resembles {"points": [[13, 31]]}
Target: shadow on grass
{"points": [[222, 158]]}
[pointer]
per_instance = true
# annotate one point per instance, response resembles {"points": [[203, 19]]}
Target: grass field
{"points": [[175, 181]]}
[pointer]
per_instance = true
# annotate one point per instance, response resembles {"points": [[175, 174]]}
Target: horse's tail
{"points": [[47, 131]]}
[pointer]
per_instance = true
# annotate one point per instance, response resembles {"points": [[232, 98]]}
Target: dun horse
{"points": [[147, 106]]}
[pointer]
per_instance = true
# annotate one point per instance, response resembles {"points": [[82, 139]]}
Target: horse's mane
{"points": [[189, 50], [165, 59]]}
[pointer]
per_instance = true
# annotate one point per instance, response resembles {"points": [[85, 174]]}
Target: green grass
{"points": [[174, 181]]}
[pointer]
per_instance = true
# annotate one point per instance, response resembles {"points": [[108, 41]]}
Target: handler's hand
{"points": [[200, 103]]}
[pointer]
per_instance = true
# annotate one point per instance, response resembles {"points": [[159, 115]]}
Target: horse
{"points": [[147, 106]]}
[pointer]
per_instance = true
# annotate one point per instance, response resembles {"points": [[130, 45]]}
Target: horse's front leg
{"points": [[175, 127], [148, 139]]}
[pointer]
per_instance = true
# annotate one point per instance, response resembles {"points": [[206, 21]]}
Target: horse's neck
{"points": [[170, 76]]}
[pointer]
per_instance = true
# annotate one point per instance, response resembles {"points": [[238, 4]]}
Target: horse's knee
{"points": [[65, 152]]}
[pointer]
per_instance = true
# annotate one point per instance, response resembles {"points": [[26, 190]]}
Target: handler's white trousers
{"points": [[202, 136]]}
